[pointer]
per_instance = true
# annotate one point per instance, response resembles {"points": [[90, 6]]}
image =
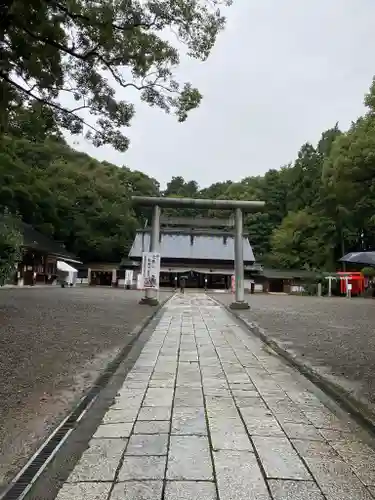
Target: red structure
{"points": [[356, 279]]}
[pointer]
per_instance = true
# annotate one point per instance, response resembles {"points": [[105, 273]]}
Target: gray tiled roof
{"points": [[178, 246]]}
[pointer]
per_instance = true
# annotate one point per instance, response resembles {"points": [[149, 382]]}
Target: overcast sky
{"points": [[281, 73]]}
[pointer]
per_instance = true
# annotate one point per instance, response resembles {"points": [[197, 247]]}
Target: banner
{"points": [[128, 277], [151, 270], [139, 282], [233, 284]]}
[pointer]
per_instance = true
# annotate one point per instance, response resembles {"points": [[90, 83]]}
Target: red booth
{"points": [[356, 279]]}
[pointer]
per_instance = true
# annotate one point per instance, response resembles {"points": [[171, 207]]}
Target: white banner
{"points": [[151, 270], [139, 282], [128, 277]]}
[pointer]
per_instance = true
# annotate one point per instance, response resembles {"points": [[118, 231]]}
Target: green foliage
{"points": [[10, 246], [300, 242], [71, 197], [369, 272], [82, 50]]}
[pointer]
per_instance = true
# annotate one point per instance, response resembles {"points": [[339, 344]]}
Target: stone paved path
{"points": [[209, 413]]}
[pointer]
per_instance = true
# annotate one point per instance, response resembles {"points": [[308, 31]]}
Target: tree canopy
{"points": [[60, 58]]}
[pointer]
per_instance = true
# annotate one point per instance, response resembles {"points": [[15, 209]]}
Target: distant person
{"points": [[182, 285]]}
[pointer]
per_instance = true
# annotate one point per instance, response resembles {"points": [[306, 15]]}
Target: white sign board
{"points": [[139, 282], [151, 270], [128, 277]]}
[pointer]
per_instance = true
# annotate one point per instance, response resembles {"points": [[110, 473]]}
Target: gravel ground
{"points": [[54, 342], [336, 336]]}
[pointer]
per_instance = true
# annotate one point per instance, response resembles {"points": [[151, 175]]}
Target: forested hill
{"points": [[317, 208], [72, 197]]}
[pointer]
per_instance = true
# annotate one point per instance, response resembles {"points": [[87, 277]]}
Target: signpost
{"points": [[151, 270], [128, 278]]}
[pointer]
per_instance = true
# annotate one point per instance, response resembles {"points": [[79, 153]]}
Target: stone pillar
{"points": [[89, 276], [239, 302], [114, 277], [151, 296]]}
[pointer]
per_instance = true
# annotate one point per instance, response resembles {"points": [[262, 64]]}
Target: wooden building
{"points": [[40, 256], [283, 281]]}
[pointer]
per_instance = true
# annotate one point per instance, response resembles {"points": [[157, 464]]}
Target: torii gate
{"points": [[238, 206]]}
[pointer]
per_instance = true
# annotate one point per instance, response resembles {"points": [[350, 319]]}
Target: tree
{"points": [[300, 242], [349, 177], [81, 51], [10, 246]]}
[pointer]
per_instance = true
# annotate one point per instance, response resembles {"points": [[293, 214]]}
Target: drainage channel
{"points": [[22, 483]]}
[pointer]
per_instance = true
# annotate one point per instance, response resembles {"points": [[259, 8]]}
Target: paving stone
{"points": [[189, 458], [336, 480], [127, 404], [360, 457], [146, 444], [162, 384], [152, 427], [335, 435], [294, 490], [246, 402], [221, 422], [305, 398], [122, 430], [239, 477], [120, 416], [163, 375], [130, 395], [230, 441], [292, 416], [137, 377], [155, 413], [314, 449], [138, 490], [238, 378], [257, 409], [216, 391], [302, 431], [135, 385], [187, 421], [190, 490], [158, 397], [188, 396], [279, 459], [188, 356], [100, 461], [215, 383], [244, 393], [262, 425], [84, 491], [322, 419], [142, 468]]}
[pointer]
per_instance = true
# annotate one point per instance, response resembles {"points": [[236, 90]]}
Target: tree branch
{"points": [[51, 104], [61, 47], [82, 17]]}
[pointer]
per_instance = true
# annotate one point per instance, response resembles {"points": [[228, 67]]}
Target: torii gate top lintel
{"points": [[170, 202]]}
